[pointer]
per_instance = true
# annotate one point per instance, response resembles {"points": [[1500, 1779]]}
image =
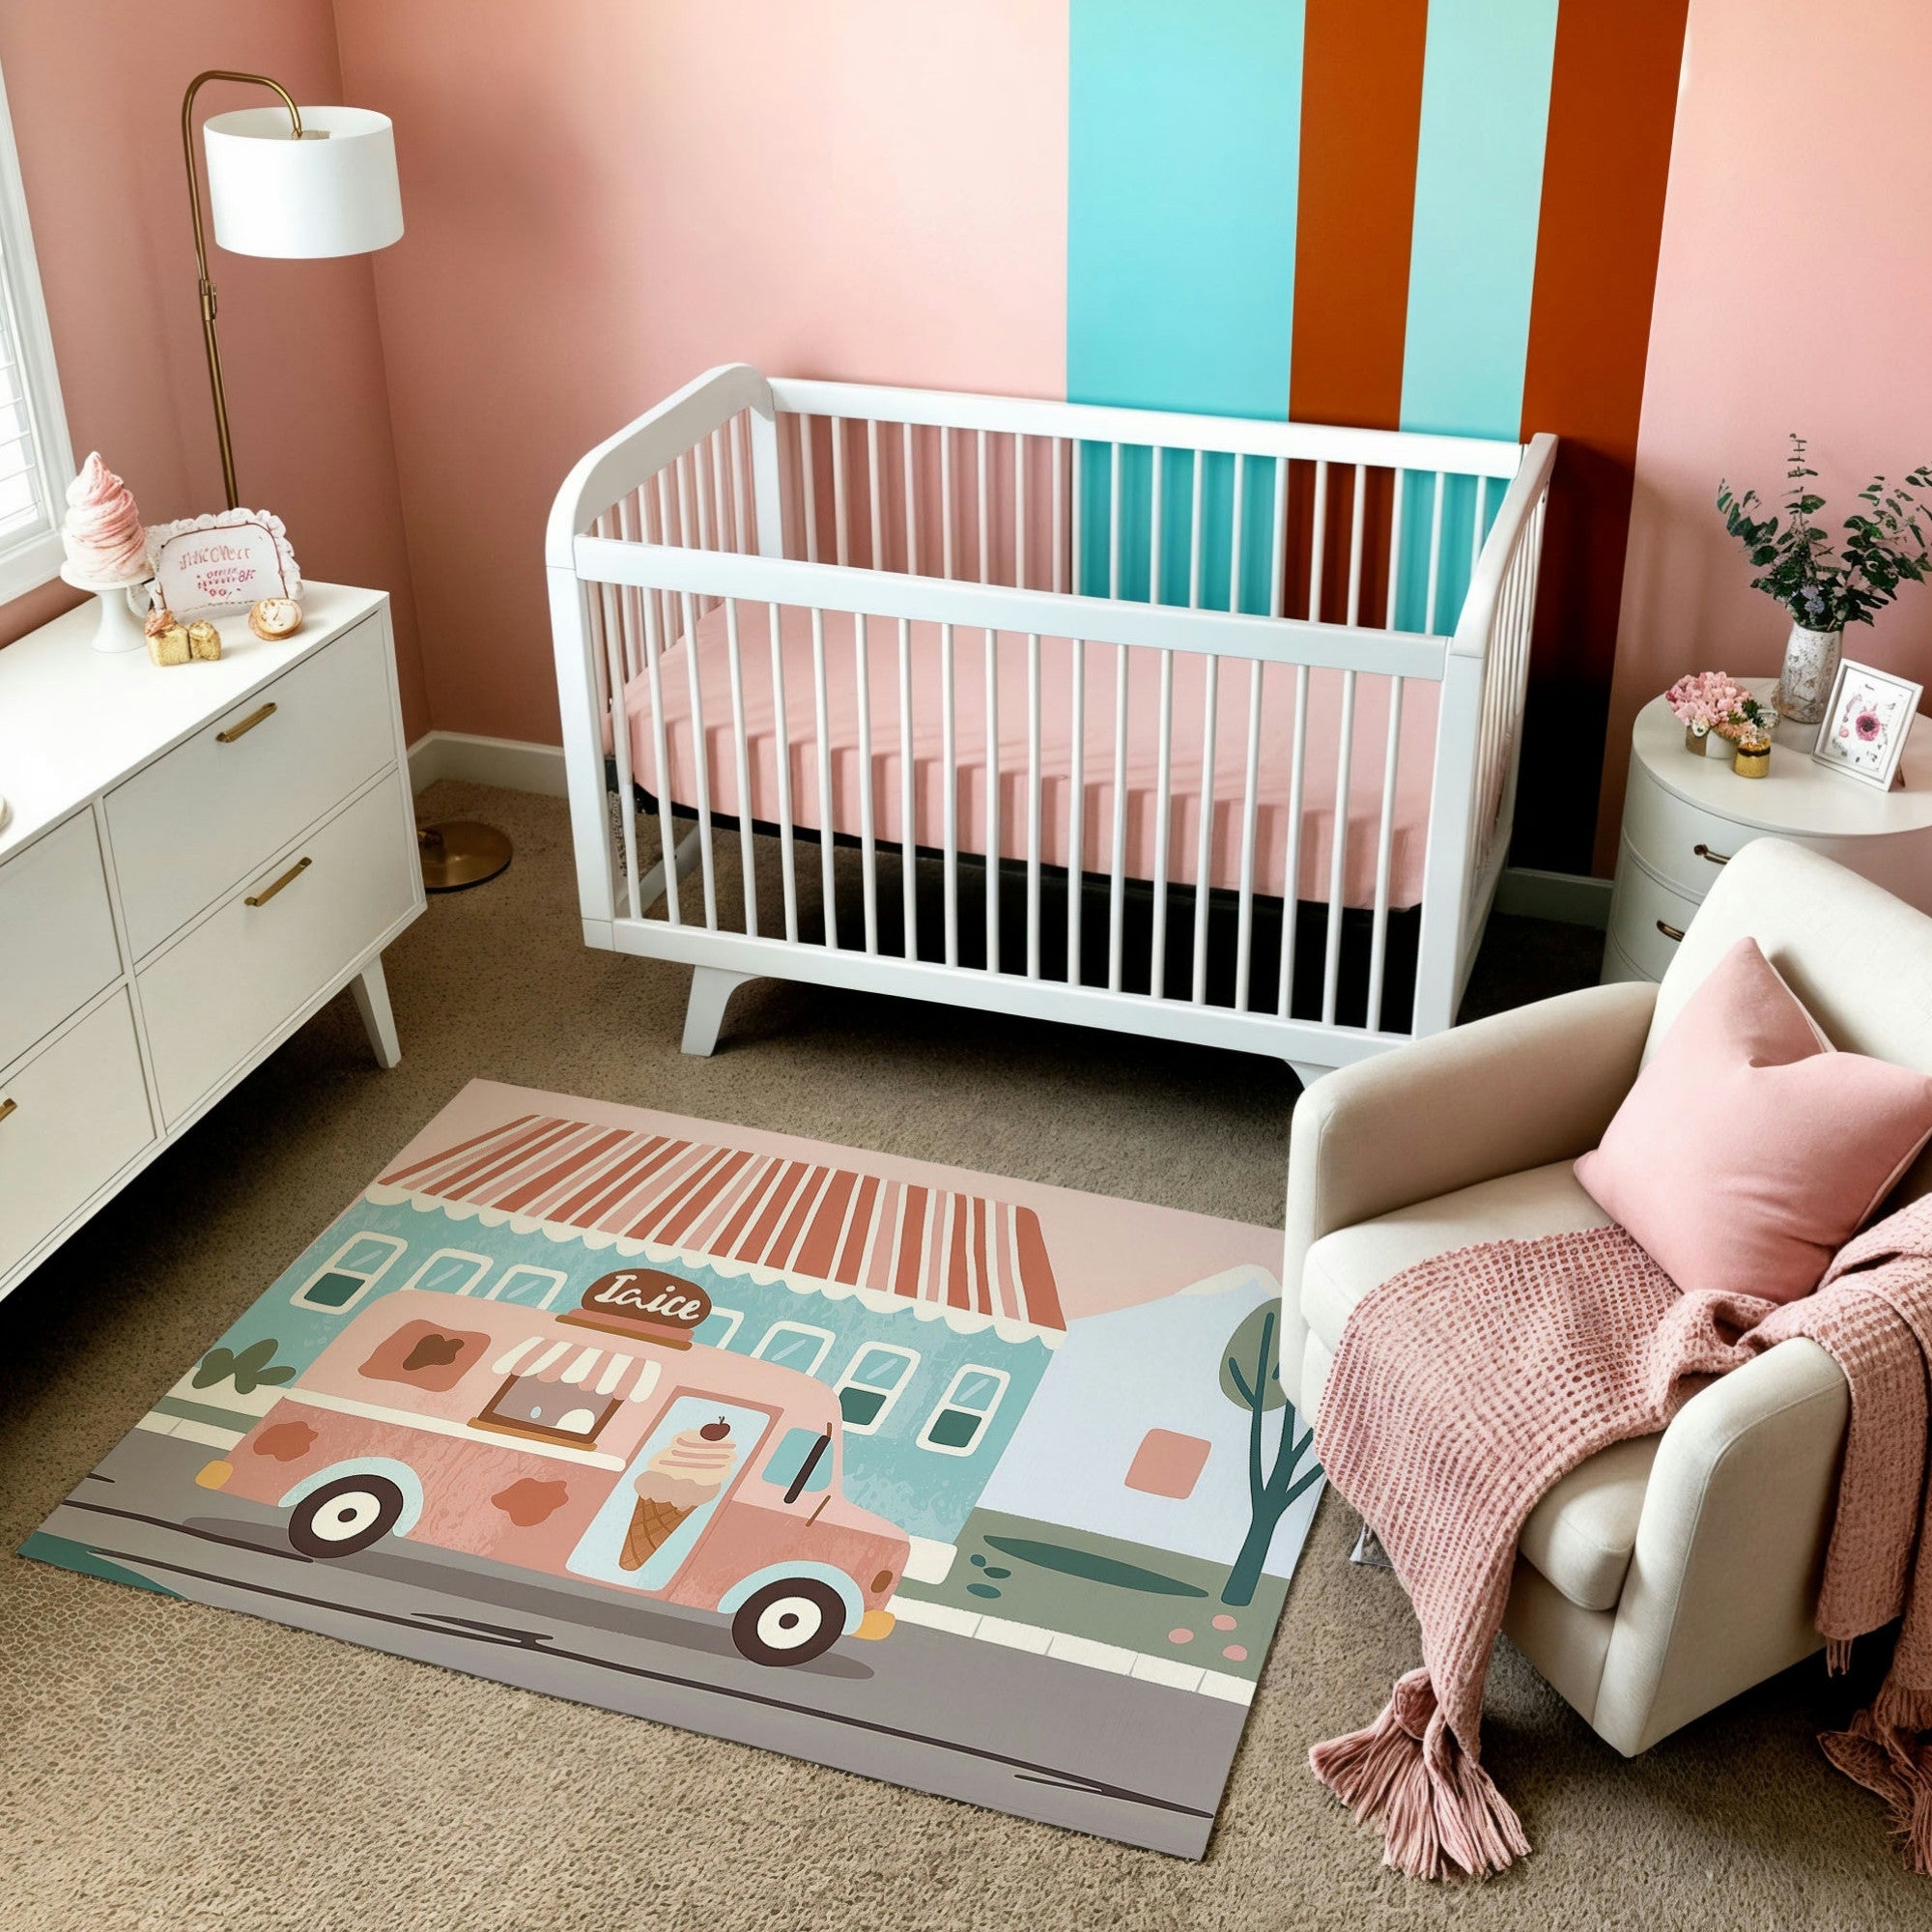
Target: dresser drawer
{"points": [[80, 1116], [211, 811], [1644, 916], [57, 946], [1684, 845], [212, 998]]}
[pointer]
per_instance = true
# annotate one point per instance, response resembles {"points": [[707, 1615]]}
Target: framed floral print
{"points": [[1866, 721]]}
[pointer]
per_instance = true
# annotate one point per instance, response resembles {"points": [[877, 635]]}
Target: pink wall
{"points": [[606, 198], [1793, 293], [95, 87]]}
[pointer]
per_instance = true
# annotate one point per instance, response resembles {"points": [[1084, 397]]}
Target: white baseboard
{"points": [[509, 762], [1566, 898]]}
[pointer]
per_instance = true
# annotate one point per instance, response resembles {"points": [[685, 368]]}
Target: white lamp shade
{"points": [[271, 194]]}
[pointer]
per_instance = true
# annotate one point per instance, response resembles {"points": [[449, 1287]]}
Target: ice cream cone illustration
{"points": [[684, 1475]]}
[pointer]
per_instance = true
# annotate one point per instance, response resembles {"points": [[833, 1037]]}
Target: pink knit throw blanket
{"points": [[1464, 1388]]}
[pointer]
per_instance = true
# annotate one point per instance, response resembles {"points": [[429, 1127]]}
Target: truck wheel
{"points": [[790, 1621], [344, 1515]]}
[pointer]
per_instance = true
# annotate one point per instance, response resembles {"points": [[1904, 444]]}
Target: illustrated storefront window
{"points": [[873, 1380], [533, 1286], [450, 1272], [794, 1346], [349, 1273], [956, 1426], [717, 1327]]}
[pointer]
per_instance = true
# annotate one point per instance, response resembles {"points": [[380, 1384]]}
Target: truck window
{"points": [[787, 1461]]}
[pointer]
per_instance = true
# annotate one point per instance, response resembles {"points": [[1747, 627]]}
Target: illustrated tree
{"points": [[1251, 1379]]}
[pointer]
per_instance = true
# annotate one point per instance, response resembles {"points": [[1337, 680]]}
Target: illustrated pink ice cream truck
{"points": [[597, 1442]]}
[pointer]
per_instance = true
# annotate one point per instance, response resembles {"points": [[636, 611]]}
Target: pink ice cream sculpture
{"points": [[105, 541]]}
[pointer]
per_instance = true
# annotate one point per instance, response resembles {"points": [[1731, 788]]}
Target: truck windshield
{"points": [[801, 1462]]}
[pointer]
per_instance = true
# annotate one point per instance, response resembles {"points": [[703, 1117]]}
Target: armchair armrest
{"points": [[1516, 1091], [1730, 1547]]}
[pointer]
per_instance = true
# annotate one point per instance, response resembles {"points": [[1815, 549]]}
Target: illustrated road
{"points": [[973, 1720]]}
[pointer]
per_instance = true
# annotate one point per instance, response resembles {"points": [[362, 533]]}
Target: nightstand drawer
{"points": [[79, 1115], [215, 996], [1647, 918], [208, 813], [57, 945], [1682, 843]]}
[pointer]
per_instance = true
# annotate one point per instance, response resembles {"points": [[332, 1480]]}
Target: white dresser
{"points": [[194, 860], [1685, 816]]}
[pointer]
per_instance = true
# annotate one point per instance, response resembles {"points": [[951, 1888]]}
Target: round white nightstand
{"points": [[1684, 817]]}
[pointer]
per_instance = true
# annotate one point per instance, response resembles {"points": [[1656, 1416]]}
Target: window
{"points": [[794, 1346], [450, 1272], [349, 1273], [956, 1424], [801, 1462], [717, 1327], [548, 1409], [35, 462], [876, 1379], [537, 1286]]}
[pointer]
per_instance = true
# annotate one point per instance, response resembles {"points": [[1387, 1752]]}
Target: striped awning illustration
{"points": [[608, 1373], [942, 1247]]}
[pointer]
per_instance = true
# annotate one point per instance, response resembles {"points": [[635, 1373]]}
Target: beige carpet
{"points": [[166, 1765]]}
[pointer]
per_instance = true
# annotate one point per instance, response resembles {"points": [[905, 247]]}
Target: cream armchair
{"points": [[1664, 1575]]}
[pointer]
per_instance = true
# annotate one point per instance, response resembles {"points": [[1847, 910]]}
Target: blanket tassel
{"points": [[1437, 1809], [1884, 1750]]}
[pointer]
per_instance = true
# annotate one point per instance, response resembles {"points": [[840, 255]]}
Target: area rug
{"points": [[971, 1484]]}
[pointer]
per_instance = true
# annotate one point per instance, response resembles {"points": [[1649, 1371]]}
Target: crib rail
{"points": [[938, 794]]}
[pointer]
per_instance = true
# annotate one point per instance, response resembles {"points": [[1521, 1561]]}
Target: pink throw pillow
{"points": [[1749, 1150]]}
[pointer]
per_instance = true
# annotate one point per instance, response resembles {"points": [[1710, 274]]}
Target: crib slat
{"points": [[868, 854], [1244, 929], [1398, 490], [1482, 484], [701, 489], [782, 750], [620, 742], [992, 801], [1114, 521], [826, 817], [1235, 543], [809, 485], [1163, 813], [630, 521], [1291, 894], [1059, 498], [840, 511], [1210, 681], [1019, 511], [659, 764], [1033, 805], [945, 497], [666, 602], [949, 761], [1357, 517], [1156, 524], [741, 748], [681, 606], [875, 533], [701, 758], [1337, 852], [911, 501], [1434, 557], [1076, 807], [1384, 852], [1194, 540], [741, 461], [908, 824], [1116, 884], [1278, 541], [1319, 553], [986, 514], [1078, 571], [723, 540]]}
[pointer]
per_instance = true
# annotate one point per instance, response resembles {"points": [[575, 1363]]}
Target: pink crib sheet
{"points": [[1369, 749]]}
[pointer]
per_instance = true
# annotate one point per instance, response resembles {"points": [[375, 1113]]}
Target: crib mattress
{"points": [[809, 810]]}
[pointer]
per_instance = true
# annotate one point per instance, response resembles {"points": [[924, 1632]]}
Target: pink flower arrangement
{"points": [[1706, 700]]}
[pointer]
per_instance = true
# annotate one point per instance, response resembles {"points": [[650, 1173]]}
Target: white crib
{"points": [[1046, 709]]}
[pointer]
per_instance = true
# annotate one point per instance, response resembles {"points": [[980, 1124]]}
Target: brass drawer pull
{"points": [[1669, 931], [1716, 858], [247, 725], [296, 871], [9, 1107]]}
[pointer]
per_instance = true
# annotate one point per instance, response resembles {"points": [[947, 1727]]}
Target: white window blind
{"points": [[35, 462]]}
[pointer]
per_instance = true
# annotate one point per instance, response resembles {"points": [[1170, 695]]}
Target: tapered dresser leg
{"points": [[372, 1002]]}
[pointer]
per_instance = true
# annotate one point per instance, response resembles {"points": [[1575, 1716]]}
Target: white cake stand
{"points": [[119, 626]]}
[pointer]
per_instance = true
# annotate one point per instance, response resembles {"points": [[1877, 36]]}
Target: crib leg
{"points": [[711, 991], [1307, 1072]]}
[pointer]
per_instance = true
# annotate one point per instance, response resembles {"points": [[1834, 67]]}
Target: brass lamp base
{"points": [[460, 854]]}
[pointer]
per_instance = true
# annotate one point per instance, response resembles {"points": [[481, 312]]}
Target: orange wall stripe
{"points": [[1613, 99], [1361, 107]]}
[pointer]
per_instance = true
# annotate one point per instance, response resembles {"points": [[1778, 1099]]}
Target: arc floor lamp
{"points": [[305, 185]]}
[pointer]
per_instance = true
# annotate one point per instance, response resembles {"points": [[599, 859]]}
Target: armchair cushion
{"points": [[1581, 1534]]}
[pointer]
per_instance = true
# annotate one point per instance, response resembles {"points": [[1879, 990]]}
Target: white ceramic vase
{"points": [[1810, 664]]}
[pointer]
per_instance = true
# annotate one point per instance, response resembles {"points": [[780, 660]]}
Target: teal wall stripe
{"points": [[1472, 259], [1184, 165]]}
